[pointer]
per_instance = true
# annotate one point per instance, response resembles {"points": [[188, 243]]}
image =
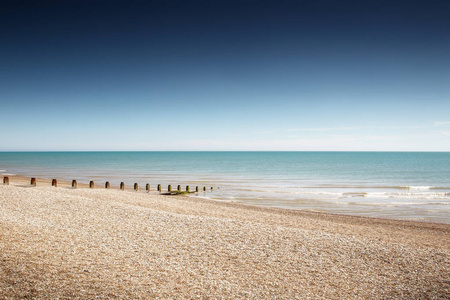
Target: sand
{"points": [[97, 243]]}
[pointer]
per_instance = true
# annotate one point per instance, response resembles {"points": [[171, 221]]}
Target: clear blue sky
{"points": [[225, 75]]}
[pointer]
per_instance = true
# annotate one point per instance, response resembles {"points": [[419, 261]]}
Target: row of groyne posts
{"points": [[121, 186]]}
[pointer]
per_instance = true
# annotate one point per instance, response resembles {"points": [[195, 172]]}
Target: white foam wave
{"points": [[417, 187], [295, 192], [413, 194], [397, 204], [440, 196]]}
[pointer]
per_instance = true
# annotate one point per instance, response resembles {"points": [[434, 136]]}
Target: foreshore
{"points": [[87, 243]]}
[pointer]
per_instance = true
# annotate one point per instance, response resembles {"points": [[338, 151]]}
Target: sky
{"points": [[224, 75]]}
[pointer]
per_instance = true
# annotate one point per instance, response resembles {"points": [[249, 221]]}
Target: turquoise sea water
{"points": [[401, 185]]}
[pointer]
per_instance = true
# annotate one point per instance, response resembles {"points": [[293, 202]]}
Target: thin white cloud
{"points": [[323, 129], [394, 127], [350, 128], [363, 137], [441, 123], [446, 133]]}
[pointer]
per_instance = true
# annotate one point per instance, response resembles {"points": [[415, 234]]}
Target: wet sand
{"points": [[86, 243]]}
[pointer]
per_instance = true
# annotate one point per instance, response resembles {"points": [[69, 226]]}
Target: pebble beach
{"points": [[59, 243]]}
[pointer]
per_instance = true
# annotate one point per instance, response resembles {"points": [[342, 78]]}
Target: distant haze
{"points": [[225, 75]]}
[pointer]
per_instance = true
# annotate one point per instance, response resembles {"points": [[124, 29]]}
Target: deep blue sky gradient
{"points": [[225, 75]]}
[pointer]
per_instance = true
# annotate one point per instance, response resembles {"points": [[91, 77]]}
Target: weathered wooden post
{"points": [[91, 184], [54, 183], [179, 188], [147, 187], [211, 188], [159, 188], [204, 188], [107, 185], [169, 188], [122, 186], [6, 180], [33, 181], [74, 184], [196, 189], [187, 189], [136, 187]]}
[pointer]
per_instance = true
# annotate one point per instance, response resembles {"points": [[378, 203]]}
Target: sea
{"points": [[395, 185]]}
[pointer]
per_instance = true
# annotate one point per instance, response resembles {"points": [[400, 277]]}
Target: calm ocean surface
{"points": [[401, 185]]}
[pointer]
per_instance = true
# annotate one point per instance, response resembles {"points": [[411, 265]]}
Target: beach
{"points": [[225, 149], [98, 243]]}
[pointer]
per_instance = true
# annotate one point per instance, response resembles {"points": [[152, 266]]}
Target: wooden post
{"points": [[147, 187], [54, 183], [187, 189], [6, 180], [169, 188], [136, 187], [211, 188], [159, 188], [74, 184], [107, 185], [122, 186], [196, 189], [91, 184], [204, 188], [179, 188], [33, 181]]}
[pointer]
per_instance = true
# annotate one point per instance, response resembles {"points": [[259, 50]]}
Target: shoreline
{"points": [[24, 181], [78, 243]]}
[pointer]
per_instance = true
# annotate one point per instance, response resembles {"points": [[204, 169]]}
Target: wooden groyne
{"points": [[74, 185]]}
